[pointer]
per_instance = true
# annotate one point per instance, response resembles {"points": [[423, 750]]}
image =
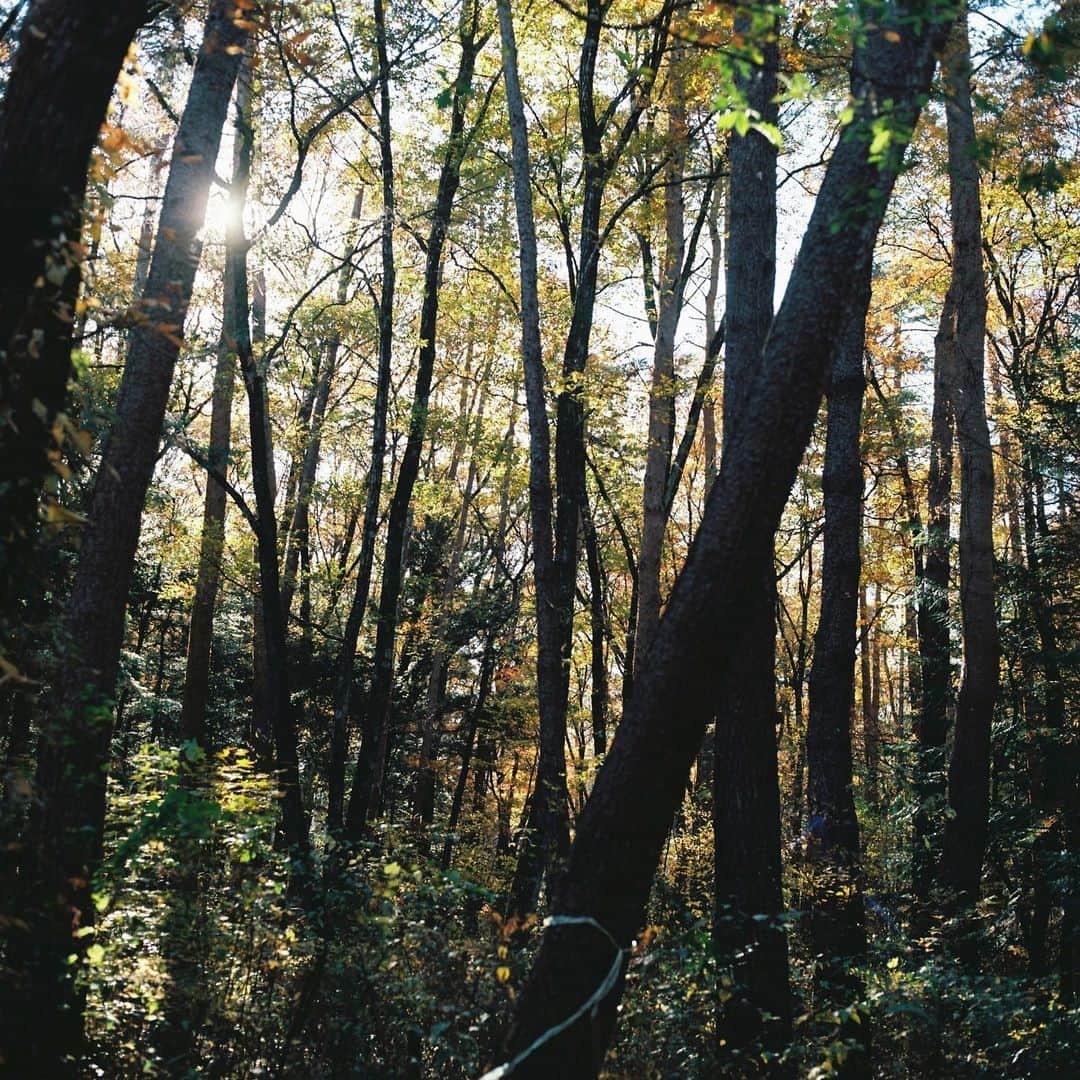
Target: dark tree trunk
{"points": [[279, 716], [621, 832], [746, 794], [932, 723], [68, 56], [344, 672], [367, 791], [65, 832], [969, 768], [836, 924], [597, 635]]}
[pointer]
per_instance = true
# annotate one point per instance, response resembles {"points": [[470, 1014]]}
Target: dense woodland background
{"points": [[441, 622]]}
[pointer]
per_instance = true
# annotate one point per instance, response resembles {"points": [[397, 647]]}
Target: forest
{"points": [[540, 539]]}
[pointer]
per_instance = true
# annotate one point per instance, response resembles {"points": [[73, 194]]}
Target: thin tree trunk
{"points": [[931, 726], [716, 262], [212, 540], [424, 795], [344, 668], [599, 902], [299, 526], [661, 430], [551, 781], [279, 717], [367, 790], [966, 827]]}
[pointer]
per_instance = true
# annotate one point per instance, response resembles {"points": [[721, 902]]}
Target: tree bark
{"points": [[621, 831], [969, 768], [68, 56], [935, 670], [65, 831], [749, 942], [279, 716], [837, 928]]}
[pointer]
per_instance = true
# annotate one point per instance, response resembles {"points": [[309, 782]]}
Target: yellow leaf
{"points": [[502, 974]]}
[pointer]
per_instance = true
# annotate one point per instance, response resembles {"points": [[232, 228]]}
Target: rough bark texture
{"points": [[969, 768], [69, 52], [746, 794], [65, 831], [836, 924], [621, 831]]}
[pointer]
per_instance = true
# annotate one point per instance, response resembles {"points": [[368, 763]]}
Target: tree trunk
{"points": [[551, 780], [836, 924], [716, 261], [299, 526], [65, 832], [661, 431], [367, 790], [424, 795], [621, 832], [68, 55], [343, 674], [279, 717], [931, 726], [969, 768], [746, 795]]}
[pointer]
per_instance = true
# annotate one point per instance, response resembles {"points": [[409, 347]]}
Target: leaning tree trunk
{"points": [[68, 56], [65, 832], [746, 794], [935, 672], [836, 926], [966, 826], [570, 998]]}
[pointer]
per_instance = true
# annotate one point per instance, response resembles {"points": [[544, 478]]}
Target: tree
{"points": [[969, 766], [56, 98], [598, 905], [65, 831], [746, 796], [836, 925]]}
